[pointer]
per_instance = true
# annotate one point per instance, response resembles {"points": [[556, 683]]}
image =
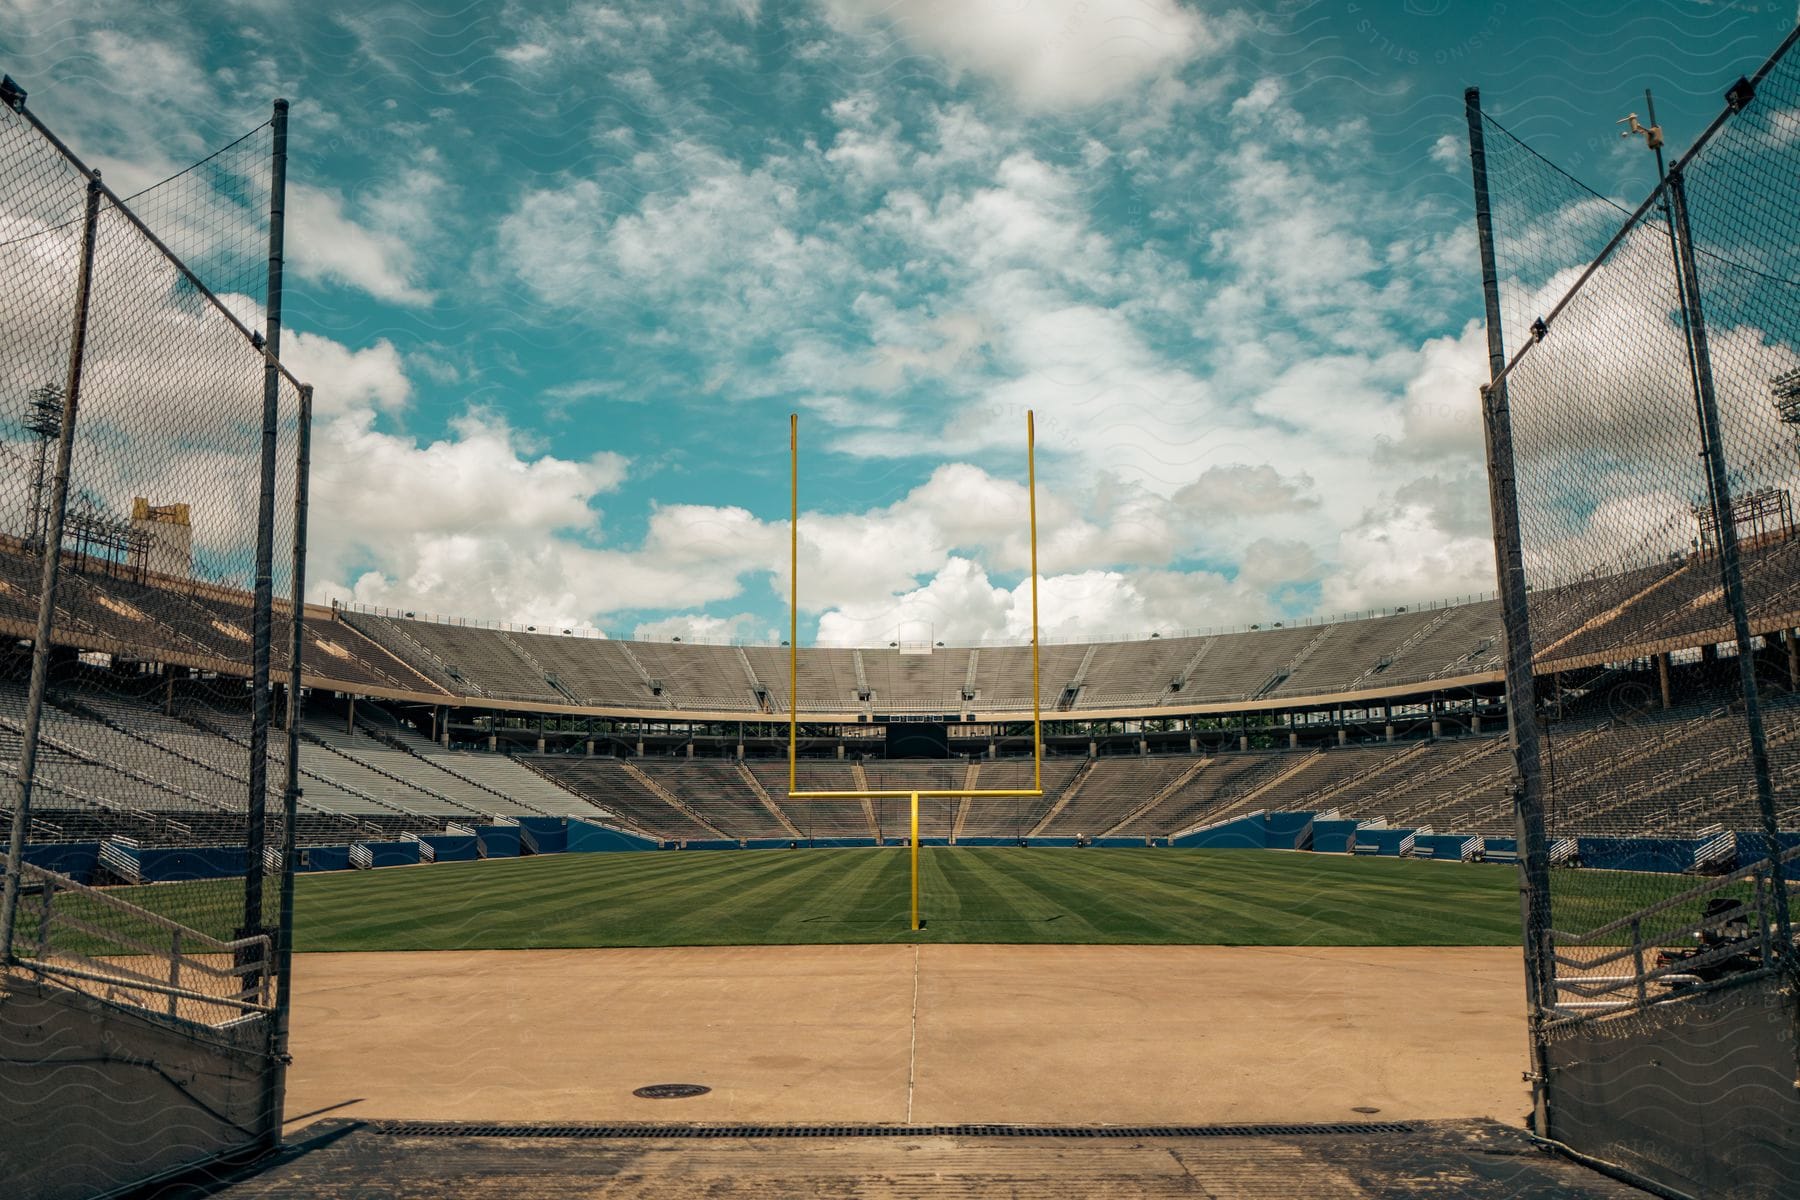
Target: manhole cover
{"points": [[1363, 1108], [671, 1091]]}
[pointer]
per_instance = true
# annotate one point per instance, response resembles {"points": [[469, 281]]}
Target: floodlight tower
{"points": [[1784, 389], [44, 423]]}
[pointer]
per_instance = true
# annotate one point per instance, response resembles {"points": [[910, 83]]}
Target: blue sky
{"points": [[561, 270]]}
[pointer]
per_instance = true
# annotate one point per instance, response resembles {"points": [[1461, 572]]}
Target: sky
{"points": [[559, 272]]}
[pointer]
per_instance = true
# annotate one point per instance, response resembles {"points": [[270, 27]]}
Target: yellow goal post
{"points": [[1037, 722]]}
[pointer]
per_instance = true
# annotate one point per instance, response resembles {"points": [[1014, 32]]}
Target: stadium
{"points": [[1481, 896]]}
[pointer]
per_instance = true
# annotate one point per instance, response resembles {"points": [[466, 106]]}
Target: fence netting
{"points": [[143, 761], [1624, 383]]}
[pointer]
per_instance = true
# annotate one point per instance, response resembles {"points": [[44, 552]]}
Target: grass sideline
{"points": [[824, 896]]}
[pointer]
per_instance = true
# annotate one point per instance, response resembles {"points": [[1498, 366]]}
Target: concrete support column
{"points": [[1390, 732], [444, 729], [540, 744], [640, 748], [493, 741], [1093, 749], [1293, 740], [350, 716], [740, 751], [1243, 741], [840, 753], [1343, 736], [1793, 649], [1143, 746], [690, 749], [1475, 723], [1193, 744], [590, 747], [1437, 727]]}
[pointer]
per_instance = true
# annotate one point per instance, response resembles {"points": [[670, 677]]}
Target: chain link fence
{"points": [[148, 512], [1644, 464]]}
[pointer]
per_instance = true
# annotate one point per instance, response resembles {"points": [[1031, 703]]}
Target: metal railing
{"points": [[1651, 982], [96, 942]]}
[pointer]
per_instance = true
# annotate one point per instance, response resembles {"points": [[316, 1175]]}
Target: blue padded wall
{"points": [[453, 847], [392, 854], [1248, 833], [1383, 841], [162, 864], [323, 858], [74, 859], [1669, 855], [1332, 836], [587, 838], [543, 835], [1285, 830], [498, 841], [1440, 845]]}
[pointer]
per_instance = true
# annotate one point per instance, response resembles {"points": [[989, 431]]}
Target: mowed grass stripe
{"points": [[970, 894]]}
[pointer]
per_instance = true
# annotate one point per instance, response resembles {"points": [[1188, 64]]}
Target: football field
{"points": [[972, 894]]}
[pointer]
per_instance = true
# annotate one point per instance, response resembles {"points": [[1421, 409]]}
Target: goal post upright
{"points": [[1037, 722]]}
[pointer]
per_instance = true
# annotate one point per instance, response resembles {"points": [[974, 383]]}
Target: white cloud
{"points": [[698, 627], [326, 244], [346, 381], [1048, 54]]}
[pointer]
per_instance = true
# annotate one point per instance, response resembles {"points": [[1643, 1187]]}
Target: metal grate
{"points": [[457, 1129], [671, 1091]]}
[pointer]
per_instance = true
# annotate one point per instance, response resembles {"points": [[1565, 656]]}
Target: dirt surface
{"points": [[931, 1034]]}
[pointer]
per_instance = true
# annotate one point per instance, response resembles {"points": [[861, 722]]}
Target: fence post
{"points": [[52, 552], [1712, 450], [1521, 687], [275, 1079], [261, 631]]}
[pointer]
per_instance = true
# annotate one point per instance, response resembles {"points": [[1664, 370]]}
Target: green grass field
{"points": [[972, 894]]}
